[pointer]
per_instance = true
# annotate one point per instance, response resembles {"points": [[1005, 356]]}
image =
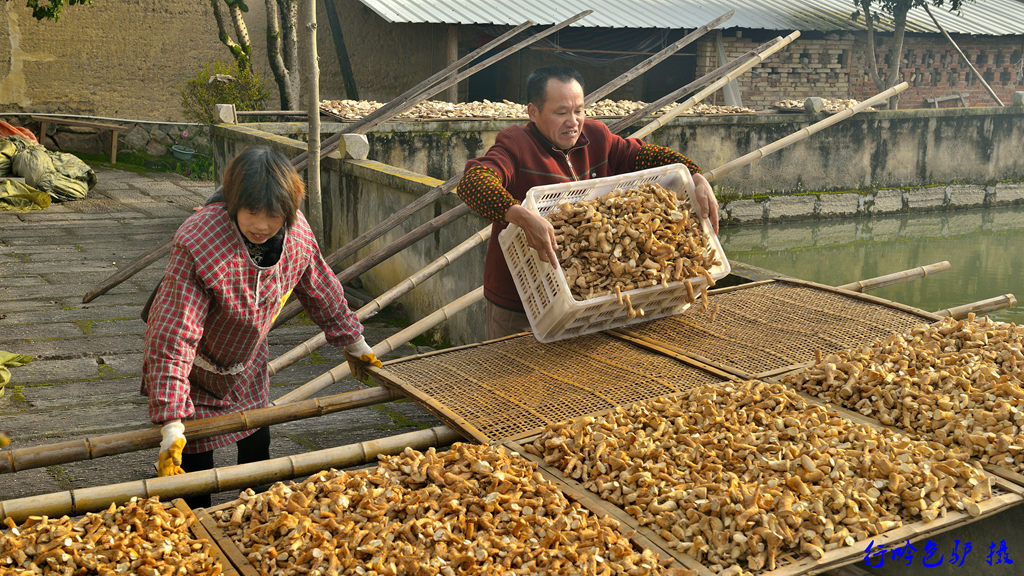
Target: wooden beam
{"points": [[452, 54], [964, 56]]}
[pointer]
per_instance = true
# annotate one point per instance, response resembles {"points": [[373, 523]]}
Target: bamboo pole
{"points": [[981, 306], [300, 160], [624, 122], [293, 308], [896, 277], [20, 459], [456, 78], [379, 303], [802, 133], [385, 346], [80, 501], [963, 56], [413, 95], [655, 59], [714, 86]]}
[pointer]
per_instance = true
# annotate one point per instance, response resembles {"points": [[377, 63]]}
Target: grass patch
{"points": [[85, 326], [398, 420], [200, 167], [62, 476], [306, 443]]}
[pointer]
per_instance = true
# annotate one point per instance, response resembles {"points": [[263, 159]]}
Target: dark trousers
{"points": [[253, 448]]}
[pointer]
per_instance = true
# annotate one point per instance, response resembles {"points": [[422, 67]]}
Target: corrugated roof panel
{"points": [[987, 17]]}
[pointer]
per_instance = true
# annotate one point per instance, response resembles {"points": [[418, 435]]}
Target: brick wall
{"points": [[836, 66]]}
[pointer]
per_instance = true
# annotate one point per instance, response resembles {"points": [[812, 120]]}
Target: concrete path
{"points": [[84, 378]]}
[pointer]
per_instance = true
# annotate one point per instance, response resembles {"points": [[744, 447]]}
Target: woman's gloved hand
{"points": [[169, 461], [359, 355]]}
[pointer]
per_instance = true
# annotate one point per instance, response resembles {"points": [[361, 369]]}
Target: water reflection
{"points": [[983, 246]]}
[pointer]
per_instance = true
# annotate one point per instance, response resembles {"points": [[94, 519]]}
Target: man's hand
{"points": [[540, 234], [706, 202], [359, 355], [169, 461]]}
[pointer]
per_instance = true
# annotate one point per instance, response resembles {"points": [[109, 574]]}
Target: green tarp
{"points": [[60, 175], [10, 359], [19, 197]]}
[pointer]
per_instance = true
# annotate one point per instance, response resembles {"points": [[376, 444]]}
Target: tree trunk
{"points": [[872, 57], [900, 18], [282, 49], [290, 30]]}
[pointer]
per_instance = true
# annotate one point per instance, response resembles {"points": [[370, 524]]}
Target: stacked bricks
{"points": [[836, 66]]}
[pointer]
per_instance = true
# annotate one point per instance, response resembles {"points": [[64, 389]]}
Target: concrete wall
{"points": [[869, 150]]}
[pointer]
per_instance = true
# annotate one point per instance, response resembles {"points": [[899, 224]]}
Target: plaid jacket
{"points": [[214, 301]]}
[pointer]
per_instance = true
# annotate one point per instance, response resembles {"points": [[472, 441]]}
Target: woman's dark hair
{"points": [[537, 82], [261, 178]]}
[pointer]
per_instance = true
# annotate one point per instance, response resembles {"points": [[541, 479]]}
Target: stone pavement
{"points": [[84, 378]]}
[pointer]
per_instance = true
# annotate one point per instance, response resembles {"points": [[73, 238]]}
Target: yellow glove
{"points": [[5, 439], [359, 356], [169, 461]]}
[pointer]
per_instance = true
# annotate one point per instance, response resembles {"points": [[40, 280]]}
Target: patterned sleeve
{"points": [[323, 298], [173, 332], [652, 156], [482, 190]]}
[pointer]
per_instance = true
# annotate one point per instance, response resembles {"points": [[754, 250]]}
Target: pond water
{"points": [[985, 248]]}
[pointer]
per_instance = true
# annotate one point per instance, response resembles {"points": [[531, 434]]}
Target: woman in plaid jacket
{"points": [[232, 265]]}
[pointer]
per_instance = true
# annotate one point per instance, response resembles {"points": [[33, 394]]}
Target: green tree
{"points": [[282, 42], [897, 10], [50, 9]]}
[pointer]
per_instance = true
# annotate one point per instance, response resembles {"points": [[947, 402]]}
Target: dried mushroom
{"points": [[141, 537], [631, 239], [439, 110], [955, 382], [832, 105], [737, 475], [470, 510]]}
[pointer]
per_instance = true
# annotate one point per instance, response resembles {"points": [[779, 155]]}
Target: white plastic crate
{"points": [[553, 313]]}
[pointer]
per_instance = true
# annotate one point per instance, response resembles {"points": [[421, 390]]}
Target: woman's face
{"points": [[259, 225]]}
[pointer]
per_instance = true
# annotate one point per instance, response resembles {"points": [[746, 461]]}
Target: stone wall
{"points": [[152, 138]]}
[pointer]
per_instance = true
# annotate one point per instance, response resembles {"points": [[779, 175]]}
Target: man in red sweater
{"points": [[556, 146]]}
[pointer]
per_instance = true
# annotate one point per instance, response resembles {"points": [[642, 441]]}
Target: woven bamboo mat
{"points": [[512, 387], [761, 329]]}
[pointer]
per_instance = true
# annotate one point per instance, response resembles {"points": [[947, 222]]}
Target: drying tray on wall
{"points": [[514, 386], [761, 329]]}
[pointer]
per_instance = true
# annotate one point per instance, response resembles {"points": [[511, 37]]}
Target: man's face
{"points": [[560, 119]]}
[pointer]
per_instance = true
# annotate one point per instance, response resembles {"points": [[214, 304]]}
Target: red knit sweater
{"points": [[522, 158]]}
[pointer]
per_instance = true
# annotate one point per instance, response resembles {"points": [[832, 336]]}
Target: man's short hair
{"points": [[537, 82]]}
